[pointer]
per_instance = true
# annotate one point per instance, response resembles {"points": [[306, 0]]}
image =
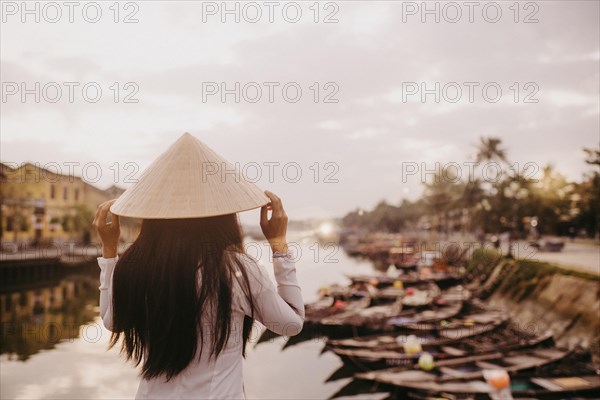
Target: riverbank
{"points": [[543, 296]]}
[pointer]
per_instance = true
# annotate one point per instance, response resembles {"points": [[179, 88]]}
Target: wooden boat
{"points": [[421, 295], [394, 340], [465, 321], [464, 368], [502, 340], [364, 316], [344, 312], [346, 291], [403, 257], [376, 317], [413, 318], [329, 306], [321, 304], [381, 280], [385, 307], [542, 387], [418, 295], [338, 300]]}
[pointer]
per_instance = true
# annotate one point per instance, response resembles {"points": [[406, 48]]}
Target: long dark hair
{"points": [[158, 302]]}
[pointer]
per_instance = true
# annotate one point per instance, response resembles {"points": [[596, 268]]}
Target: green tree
{"points": [[489, 149]]}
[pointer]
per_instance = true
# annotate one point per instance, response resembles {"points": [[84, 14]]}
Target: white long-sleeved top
{"points": [[281, 310]]}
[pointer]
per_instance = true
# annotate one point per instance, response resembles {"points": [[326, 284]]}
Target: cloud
{"points": [[563, 98], [330, 125], [364, 58]]}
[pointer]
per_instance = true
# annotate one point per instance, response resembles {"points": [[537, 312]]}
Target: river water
{"points": [[55, 347]]}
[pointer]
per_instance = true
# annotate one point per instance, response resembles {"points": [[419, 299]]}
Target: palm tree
{"points": [[473, 194], [592, 156], [489, 149], [440, 197]]}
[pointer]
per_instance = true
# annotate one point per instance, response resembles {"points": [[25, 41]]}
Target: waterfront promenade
{"points": [[583, 255], [65, 253], [580, 254]]}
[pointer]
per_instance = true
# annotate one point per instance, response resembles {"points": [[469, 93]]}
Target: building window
{"points": [[54, 222], [65, 193], [23, 299], [9, 223], [52, 191], [76, 194], [9, 303]]}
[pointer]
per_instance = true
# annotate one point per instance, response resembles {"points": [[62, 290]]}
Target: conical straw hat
{"points": [[189, 180]]}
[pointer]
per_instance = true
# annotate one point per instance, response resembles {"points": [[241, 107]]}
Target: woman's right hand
{"points": [[274, 229], [109, 232]]}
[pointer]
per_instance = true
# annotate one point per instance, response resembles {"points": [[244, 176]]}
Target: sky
{"points": [[347, 114]]}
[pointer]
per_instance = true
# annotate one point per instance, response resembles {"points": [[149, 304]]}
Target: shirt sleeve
{"points": [[107, 267], [280, 309]]}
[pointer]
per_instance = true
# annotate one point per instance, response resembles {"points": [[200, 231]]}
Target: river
{"points": [[55, 347]]}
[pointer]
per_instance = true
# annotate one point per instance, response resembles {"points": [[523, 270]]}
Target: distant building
{"points": [[41, 206]]}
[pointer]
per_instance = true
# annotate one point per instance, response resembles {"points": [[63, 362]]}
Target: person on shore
{"points": [[183, 297]]}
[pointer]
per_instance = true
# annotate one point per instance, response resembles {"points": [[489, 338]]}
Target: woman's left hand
{"points": [[109, 232]]}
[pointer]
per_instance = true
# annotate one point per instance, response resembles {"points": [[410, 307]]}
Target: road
{"points": [[578, 255]]}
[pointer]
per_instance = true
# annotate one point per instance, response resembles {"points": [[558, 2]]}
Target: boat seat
{"points": [[453, 351], [549, 353], [455, 373], [524, 359], [487, 365]]}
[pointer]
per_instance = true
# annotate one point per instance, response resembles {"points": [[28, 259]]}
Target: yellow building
{"points": [[42, 206]]}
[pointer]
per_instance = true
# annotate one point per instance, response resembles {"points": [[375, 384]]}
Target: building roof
{"points": [[5, 168]]}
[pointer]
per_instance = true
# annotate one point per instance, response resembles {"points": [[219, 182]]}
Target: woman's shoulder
{"points": [[250, 280], [246, 266], [242, 259]]}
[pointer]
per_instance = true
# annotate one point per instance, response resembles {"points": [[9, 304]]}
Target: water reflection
{"points": [[39, 314], [53, 343]]}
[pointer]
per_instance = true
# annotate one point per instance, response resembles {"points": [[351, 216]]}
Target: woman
{"points": [[184, 295]]}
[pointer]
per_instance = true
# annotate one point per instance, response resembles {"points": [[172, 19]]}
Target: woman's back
{"points": [[253, 295]]}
